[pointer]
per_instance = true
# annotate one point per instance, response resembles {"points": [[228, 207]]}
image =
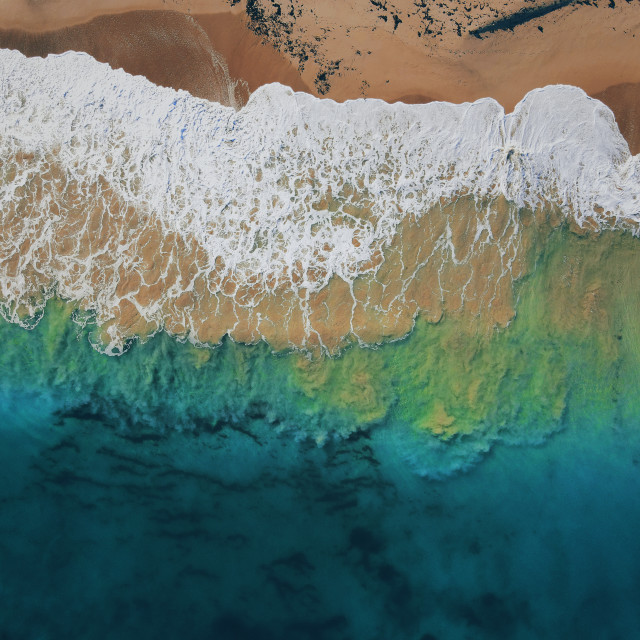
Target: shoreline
{"points": [[355, 254], [172, 43]]}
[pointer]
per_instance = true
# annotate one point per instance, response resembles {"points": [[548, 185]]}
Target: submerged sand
{"points": [[460, 257]]}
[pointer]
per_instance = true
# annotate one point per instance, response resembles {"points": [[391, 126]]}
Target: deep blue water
{"points": [[244, 534]]}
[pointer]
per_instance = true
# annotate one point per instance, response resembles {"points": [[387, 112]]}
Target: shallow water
{"points": [[304, 222]]}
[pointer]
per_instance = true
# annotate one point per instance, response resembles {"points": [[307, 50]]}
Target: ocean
{"points": [[310, 370], [115, 523]]}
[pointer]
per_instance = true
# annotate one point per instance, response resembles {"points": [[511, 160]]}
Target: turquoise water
{"points": [[118, 520], [475, 475]]}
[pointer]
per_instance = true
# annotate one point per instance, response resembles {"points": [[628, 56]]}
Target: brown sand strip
{"points": [[51, 15]]}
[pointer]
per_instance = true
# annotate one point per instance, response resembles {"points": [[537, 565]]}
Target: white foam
{"points": [[238, 180]]}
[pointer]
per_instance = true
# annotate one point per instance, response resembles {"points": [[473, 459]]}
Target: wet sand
{"points": [[451, 52], [169, 48], [624, 101], [246, 55]]}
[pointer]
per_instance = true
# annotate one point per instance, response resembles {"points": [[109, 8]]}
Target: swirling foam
{"points": [[301, 221]]}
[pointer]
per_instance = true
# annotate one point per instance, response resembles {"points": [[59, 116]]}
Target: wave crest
{"points": [[300, 221]]}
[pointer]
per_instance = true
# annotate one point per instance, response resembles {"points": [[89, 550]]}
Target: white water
{"points": [[197, 162], [245, 183]]}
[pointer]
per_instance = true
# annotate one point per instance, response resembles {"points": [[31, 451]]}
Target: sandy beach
{"points": [[400, 51]]}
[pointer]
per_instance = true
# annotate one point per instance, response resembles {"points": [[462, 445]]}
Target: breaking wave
{"points": [[304, 222]]}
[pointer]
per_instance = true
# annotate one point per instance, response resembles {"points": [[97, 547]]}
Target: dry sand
{"points": [[451, 50]]}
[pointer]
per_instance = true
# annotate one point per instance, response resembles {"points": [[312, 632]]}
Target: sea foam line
{"points": [[291, 191]]}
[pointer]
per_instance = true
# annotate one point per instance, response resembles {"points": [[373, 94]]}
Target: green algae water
{"points": [[460, 483]]}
